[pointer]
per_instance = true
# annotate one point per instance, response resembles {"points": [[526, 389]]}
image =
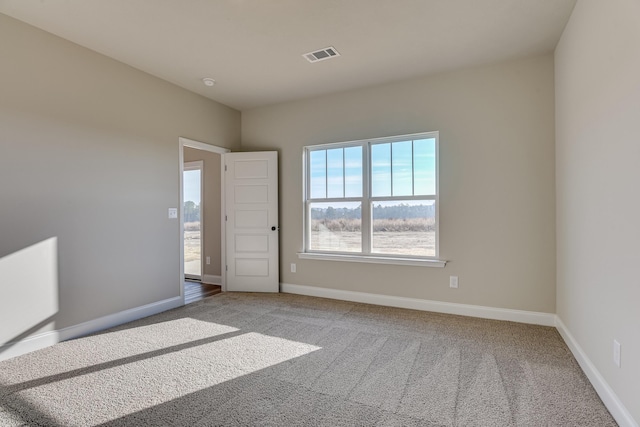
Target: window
{"points": [[374, 198]]}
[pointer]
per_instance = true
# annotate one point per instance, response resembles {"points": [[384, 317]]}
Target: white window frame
{"points": [[366, 200]]}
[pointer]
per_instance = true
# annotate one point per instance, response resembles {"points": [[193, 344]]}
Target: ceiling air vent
{"points": [[321, 55]]}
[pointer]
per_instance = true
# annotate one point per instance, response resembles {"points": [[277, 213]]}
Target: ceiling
{"points": [[253, 48]]}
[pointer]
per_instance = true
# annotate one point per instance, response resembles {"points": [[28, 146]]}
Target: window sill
{"points": [[373, 259]]}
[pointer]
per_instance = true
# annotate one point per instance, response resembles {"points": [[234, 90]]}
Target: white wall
{"points": [[89, 162], [497, 191], [598, 178]]}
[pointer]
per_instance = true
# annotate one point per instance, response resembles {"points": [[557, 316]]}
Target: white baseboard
{"points": [[211, 279], [50, 338], [521, 316], [27, 345], [606, 393]]}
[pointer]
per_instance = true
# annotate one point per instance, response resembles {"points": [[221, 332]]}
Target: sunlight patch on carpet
{"points": [[117, 391]]}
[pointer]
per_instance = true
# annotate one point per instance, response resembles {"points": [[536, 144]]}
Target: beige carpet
{"points": [[286, 360]]}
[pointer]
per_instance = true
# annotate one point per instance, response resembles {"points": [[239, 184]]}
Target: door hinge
{"points": [[226, 268], [225, 168], [225, 218]]}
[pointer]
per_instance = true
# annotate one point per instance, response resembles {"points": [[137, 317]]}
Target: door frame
{"points": [[186, 142], [197, 165]]}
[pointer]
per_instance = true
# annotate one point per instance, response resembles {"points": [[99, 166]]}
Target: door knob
{"points": [[274, 228]]}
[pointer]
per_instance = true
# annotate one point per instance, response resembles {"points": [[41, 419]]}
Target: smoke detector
{"points": [[321, 55], [208, 81]]}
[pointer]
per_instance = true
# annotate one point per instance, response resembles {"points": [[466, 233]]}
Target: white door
{"points": [[251, 189]]}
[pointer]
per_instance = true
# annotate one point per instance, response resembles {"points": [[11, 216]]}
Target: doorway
{"points": [[192, 220], [211, 245], [247, 238]]}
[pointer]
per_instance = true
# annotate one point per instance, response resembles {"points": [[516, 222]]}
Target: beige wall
{"points": [[598, 175], [89, 164], [210, 207], [497, 199]]}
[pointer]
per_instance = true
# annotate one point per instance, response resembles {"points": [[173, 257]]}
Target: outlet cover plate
{"points": [[616, 353], [453, 282]]}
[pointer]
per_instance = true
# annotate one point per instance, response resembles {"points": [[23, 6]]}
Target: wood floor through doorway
{"points": [[196, 291]]}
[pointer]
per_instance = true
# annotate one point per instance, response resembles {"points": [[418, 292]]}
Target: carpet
{"points": [[287, 360]]}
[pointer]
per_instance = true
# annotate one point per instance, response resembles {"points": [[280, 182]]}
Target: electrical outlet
{"points": [[616, 353], [453, 282], [208, 260], [293, 267]]}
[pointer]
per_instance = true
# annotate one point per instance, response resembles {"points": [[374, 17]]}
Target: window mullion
{"points": [[391, 167], [307, 225], [384, 199], [344, 176], [326, 174], [366, 204], [413, 173], [336, 199]]}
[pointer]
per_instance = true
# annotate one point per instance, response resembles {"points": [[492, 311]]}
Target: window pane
{"points": [[404, 227], [335, 173], [353, 171], [380, 170], [402, 168], [318, 174], [424, 159], [336, 227]]}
